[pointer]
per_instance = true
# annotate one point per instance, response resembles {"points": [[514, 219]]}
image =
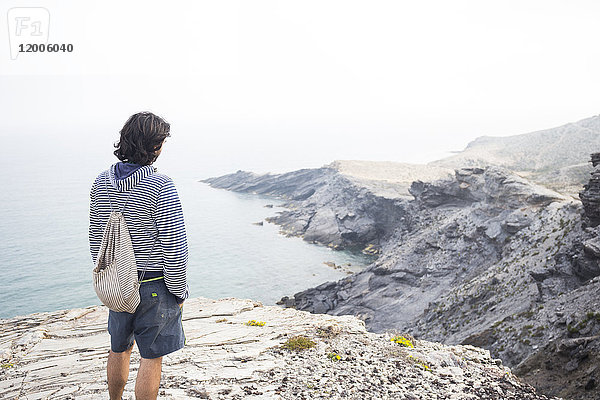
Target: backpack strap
{"points": [[106, 187], [126, 200], [147, 261]]}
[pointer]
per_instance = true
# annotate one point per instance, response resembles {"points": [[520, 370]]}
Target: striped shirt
{"points": [[152, 212]]}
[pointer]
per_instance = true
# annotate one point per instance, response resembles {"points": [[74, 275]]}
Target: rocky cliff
{"points": [[293, 355], [323, 206], [590, 196], [483, 257], [554, 157]]}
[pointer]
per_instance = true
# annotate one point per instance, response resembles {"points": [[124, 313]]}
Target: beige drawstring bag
{"points": [[115, 274]]}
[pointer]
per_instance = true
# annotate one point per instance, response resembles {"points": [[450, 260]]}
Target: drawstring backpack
{"points": [[115, 274]]}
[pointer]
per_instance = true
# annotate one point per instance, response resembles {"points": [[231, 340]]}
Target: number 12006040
{"points": [[45, 48]]}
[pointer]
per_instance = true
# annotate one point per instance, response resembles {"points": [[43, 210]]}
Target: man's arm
{"points": [[172, 237], [94, 230]]}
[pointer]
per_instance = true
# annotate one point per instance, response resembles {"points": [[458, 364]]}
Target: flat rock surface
{"points": [[62, 355], [387, 178]]}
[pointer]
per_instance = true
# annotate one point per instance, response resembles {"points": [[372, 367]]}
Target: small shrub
{"points": [[572, 329], [298, 343], [402, 341], [329, 331], [333, 356], [539, 331], [423, 365], [254, 322], [591, 316]]}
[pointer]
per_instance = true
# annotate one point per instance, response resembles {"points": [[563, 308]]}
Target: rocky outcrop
{"points": [[462, 230], [552, 157], [388, 179], [492, 185], [568, 364], [590, 196], [483, 258], [323, 206], [62, 355]]}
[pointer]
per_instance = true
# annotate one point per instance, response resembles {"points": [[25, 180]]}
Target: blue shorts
{"points": [[156, 324]]}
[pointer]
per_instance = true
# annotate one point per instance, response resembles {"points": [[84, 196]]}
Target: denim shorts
{"points": [[156, 324]]}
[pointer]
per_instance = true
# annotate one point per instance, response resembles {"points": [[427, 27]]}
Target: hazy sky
{"points": [[281, 85]]}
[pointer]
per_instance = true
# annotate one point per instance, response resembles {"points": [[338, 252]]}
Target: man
{"points": [[154, 218]]}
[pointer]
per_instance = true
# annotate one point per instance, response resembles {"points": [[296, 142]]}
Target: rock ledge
{"points": [[62, 355]]}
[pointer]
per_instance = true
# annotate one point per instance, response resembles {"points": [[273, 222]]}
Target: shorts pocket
{"points": [[149, 293]]}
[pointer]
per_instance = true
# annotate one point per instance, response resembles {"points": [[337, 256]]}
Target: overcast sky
{"points": [[281, 85]]}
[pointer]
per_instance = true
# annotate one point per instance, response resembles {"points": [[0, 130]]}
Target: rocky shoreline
{"points": [[62, 355], [322, 206], [483, 257]]}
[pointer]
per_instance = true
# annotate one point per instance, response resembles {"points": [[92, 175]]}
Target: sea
{"points": [[45, 261]]}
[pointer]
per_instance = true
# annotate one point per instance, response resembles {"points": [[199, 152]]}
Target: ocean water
{"points": [[45, 262]]}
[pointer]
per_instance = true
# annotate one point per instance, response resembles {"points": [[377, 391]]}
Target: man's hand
{"points": [[181, 306]]}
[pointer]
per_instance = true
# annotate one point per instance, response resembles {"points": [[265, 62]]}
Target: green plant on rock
{"points": [[539, 331], [572, 329], [591, 316], [328, 331], [333, 356], [423, 365], [254, 322], [298, 343], [402, 341]]}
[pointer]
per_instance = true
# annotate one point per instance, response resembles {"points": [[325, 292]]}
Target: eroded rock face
{"points": [[323, 206], [552, 157], [494, 185], [482, 258], [568, 365], [62, 355], [460, 230], [590, 196]]}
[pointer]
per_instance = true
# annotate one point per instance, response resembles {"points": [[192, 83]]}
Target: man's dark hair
{"points": [[141, 136]]}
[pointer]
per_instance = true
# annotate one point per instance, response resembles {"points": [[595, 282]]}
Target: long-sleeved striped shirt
{"points": [[153, 212]]}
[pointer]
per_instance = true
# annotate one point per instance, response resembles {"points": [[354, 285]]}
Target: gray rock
{"points": [[516, 221], [323, 206], [323, 227], [226, 359], [552, 157], [592, 247], [590, 196], [572, 365], [486, 258]]}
